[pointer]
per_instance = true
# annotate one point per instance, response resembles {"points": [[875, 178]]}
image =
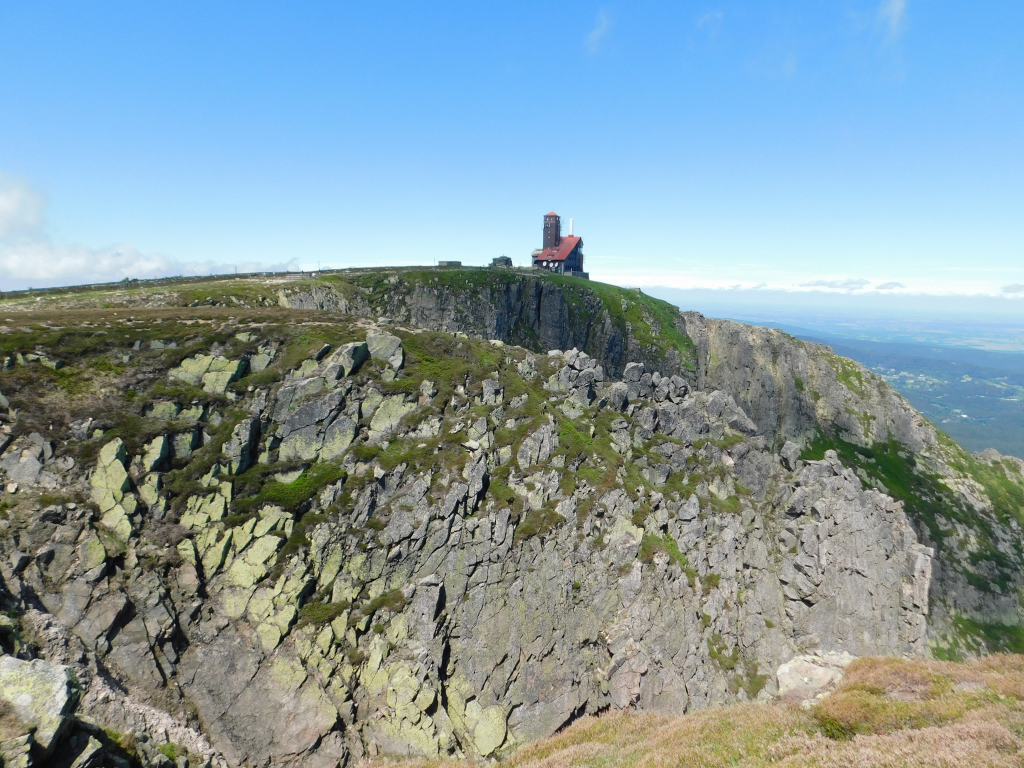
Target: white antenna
{"points": [[570, 227]]}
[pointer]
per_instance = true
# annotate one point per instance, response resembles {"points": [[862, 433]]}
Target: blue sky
{"points": [[789, 146]]}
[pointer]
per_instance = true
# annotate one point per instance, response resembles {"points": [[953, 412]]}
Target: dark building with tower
{"points": [[563, 255]]}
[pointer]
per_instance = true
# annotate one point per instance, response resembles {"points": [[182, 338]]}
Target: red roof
{"points": [[551, 214], [560, 252]]}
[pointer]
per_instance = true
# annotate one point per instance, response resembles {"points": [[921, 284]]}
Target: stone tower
{"points": [[552, 230]]}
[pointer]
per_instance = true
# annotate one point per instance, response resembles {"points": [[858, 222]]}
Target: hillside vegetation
{"points": [[887, 712]]}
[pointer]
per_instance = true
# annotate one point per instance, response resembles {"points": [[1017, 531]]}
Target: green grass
{"points": [[975, 638], [725, 660], [171, 750], [291, 495], [319, 613], [651, 321], [537, 522], [1005, 493], [651, 545], [847, 372], [392, 600], [573, 441]]}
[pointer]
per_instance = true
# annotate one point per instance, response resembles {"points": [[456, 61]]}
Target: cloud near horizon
{"points": [[852, 284], [790, 282], [30, 259]]}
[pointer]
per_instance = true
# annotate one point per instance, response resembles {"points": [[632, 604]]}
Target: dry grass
{"points": [[10, 725], [887, 712]]}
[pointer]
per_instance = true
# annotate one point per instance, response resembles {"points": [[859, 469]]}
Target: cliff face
{"points": [[794, 389], [297, 536], [791, 389], [536, 311], [965, 507]]}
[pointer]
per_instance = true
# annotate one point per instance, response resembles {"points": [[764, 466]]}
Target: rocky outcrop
{"points": [[794, 389], [42, 696], [394, 540], [811, 677], [532, 310]]}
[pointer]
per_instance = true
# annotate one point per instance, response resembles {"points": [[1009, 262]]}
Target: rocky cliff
{"points": [[301, 534]]}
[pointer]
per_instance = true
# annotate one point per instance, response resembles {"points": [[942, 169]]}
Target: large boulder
{"points": [[214, 373], [812, 676], [388, 415], [350, 356], [111, 490], [156, 451], [258, 713], [42, 694], [538, 447], [385, 346], [238, 448], [221, 373]]}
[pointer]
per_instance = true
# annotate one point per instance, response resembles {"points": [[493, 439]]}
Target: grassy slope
{"points": [[887, 712], [650, 321]]}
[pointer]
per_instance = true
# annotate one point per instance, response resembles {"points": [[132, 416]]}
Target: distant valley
{"points": [[975, 396]]}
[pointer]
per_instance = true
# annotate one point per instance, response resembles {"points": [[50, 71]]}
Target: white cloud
{"points": [[30, 259], [711, 23], [851, 284], [714, 278], [598, 33], [21, 208], [892, 15], [38, 261]]}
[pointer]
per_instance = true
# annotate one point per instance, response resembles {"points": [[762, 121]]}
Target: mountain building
{"points": [[563, 255]]}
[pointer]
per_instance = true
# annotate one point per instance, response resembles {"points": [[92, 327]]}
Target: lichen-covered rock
{"points": [[221, 373], [262, 359], [460, 552], [214, 373], [42, 695], [238, 448], [350, 356], [338, 438], [163, 409], [537, 447], [385, 346], [155, 453], [111, 490], [488, 727], [192, 369], [388, 415], [812, 676]]}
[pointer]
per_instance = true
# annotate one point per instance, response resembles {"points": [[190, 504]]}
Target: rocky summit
{"points": [[448, 512]]}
